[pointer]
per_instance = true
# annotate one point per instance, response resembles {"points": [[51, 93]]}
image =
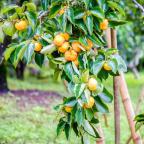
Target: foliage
{"points": [[68, 21], [37, 125]]}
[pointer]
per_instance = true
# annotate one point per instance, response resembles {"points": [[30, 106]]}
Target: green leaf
{"points": [[69, 70], [39, 59], [83, 40], [8, 8], [1, 35], [114, 5], [63, 22], [85, 76], [96, 40], [79, 14], [70, 13], [45, 4], [101, 107], [89, 114], [29, 53], [89, 24], [54, 11], [19, 53], [113, 64], [60, 127], [8, 52], [67, 130], [82, 26], [31, 6], [98, 12], [8, 28], [86, 3], [113, 23], [97, 65], [88, 128], [122, 67], [79, 116], [106, 96], [79, 89], [85, 139], [32, 18]]}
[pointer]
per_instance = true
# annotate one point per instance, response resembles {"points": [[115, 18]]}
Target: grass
{"points": [[38, 125]]}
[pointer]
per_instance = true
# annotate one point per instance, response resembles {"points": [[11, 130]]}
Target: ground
{"points": [[28, 117]]}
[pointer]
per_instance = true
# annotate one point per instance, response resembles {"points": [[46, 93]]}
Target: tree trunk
{"points": [[3, 75], [20, 70], [116, 93], [3, 79]]}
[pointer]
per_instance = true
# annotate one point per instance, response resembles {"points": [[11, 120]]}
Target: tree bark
{"points": [[3, 71], [116, 93], [20, 70]]}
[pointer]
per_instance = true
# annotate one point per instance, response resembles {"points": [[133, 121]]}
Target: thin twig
{"points": [[44, 14], [140, 6]]}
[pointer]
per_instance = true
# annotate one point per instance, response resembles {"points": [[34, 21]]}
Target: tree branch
{"points": [[139, 6]]}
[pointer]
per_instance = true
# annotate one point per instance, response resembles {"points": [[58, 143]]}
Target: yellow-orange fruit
{"points": [[62, 11], [59, 40], [107, 67], [68, 109], [66, 36], [36, 37], [89, 46], [92, 84], [76, 46], [76, 62], [64, 47], [38, 47], [90, 104], [21, 25], [104, 24], [70, 55]]}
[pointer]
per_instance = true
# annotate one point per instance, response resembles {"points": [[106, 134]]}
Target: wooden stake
{"points": [[129, 109], [101, 140], [116, 93]]}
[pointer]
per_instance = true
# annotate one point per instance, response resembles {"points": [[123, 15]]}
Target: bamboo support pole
{"points": [[129, 109], [116, 93], [101, 140]]}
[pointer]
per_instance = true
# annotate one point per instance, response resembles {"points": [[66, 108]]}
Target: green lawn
{"points": [[38, 125]]}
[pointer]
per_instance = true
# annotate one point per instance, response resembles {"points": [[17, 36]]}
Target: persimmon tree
{"points": [[70, 34]]}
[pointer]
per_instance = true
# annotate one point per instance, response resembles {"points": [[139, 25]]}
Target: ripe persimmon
{"points": [[70, 55], [59, 40], [21, 25], [92, 84], [76, 46], [68, 109], [104, 24], [107, 67], [64, 47], [62, 11], [90, 104], [76, 62], [38, 46], [89, 46], [66, 36]]}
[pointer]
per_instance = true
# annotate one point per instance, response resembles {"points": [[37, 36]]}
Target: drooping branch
{"points": [[138, 5]]}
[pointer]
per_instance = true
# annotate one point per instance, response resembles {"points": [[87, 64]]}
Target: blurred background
{"points": [[28, 94]]}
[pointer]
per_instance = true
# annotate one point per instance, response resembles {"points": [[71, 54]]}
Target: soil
{"points": [[26, 98]]}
